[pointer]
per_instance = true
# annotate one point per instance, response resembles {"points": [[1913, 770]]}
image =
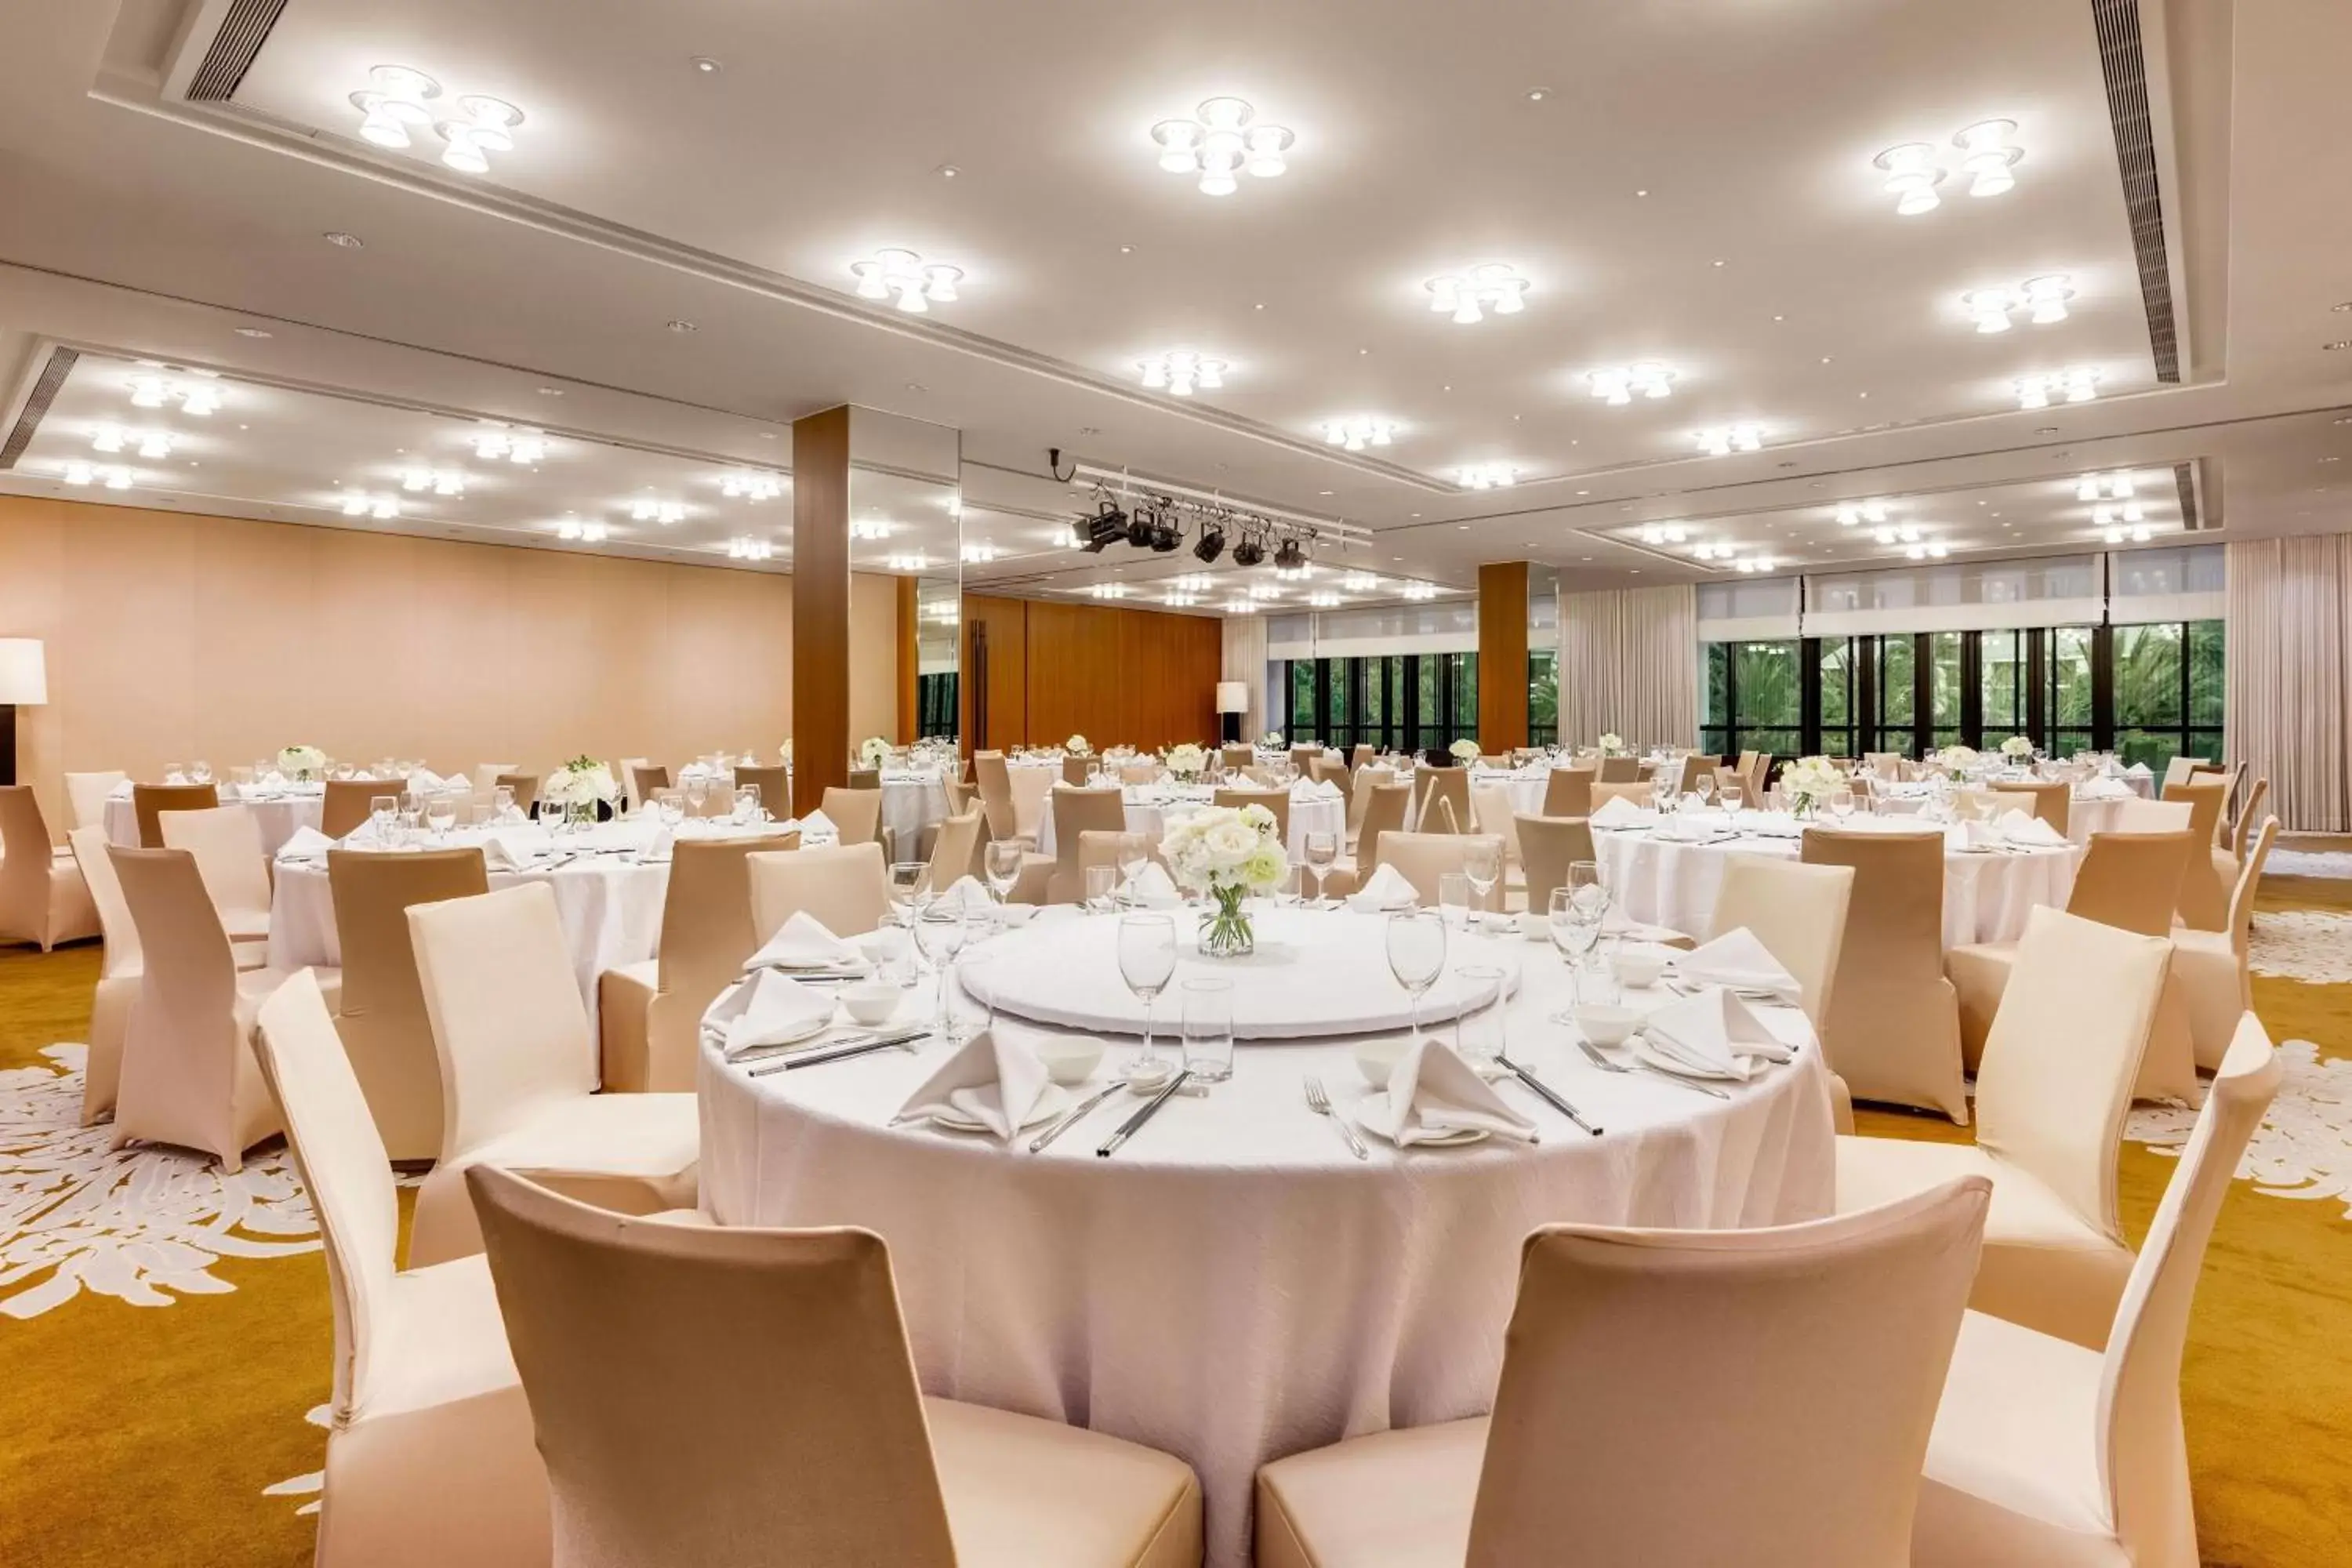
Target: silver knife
{"points": [[1554, 1100], [1062, 1123], [1129, 1128], [865, 1047]]}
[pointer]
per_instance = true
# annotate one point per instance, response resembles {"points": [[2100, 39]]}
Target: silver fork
{"points": [[1318, 1101], [1592, 1054]]}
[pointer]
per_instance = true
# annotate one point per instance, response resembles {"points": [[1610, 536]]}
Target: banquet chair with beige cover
{"points": [[2051, 1100], [2047, 1452], [1079, 810], [2177, 771], [865, 778], [1639, 793], [382, 1014], [2204, 895], [775, 788], [2127, 880], [1097, 847], [1892, 766], [648, 1014], [1696, 766], [955, 851], [995, 782], [1303, 757], [189, 1077], [2136, 815], [1277, 801], [487, 776], [1141, 771], [1360, 800], [119, 974], [1360, 756], [1236, 758], [2047, 802], [2210, 969], [1491, 812], [1892, 1029], [1670, 1399], [962, 796], [1437, 792], [87, 794], [1036, 873], [226, 843], [518, 1074], [1568, 791], [844, 886], [731, 1396], [648, 780], [857, 813], [1798, 913], [1618, 769], [349, 803], [524, 785], [1384, 815], [1549, 845], [1074, 767], [1422, 858], [1333, 771], [2241, 835], [430, 1450], [43, 899], [150, 802], [628, 768]]}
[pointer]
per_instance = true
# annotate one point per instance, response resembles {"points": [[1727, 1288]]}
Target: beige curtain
{"points": [[2289, 641], [1628, 665], [1246, 648]]}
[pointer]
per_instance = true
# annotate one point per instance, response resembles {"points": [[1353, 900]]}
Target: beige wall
{"points": [[173, 636]]}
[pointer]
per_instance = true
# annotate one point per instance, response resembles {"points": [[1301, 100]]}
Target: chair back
{"points": [[1422, 858], [2251, 814], [1074, 767], [1892, 1028], [382, 1022], [1716, 1396], [865, 778], [2130, 881], [226, 843], [955, 851], [995, 782], [1143, 772], [2180, 770], [1029, 785], [1491, 812], [349, 802], [1236, 758], [713, 1394], [1333, 771], [1079, 811], [649, 779], [857, 813], [2139, 1442], [487, 776], [26, 855], [149, 802], [1641, 794], [87, 794], [1437, 789], [509, 1028], [707, 932], [180, 1053], [775, 788], [1361, 757], [524, 785], [120, 932], [1798, 913], [1097, 847], [1360, 791], [2241, 897], [1620, 770], [1568, 791], [846, 886], [1549, 845], [2055, 1080], [1696, 766], [1383, 814], [2047, 801], [629, 769], [1890, 765], [1303, 757], [345, 1169], [2204, 902], [2137, 815], [1277, 801]]}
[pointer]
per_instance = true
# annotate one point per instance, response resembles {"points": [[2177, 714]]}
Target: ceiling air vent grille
{"points": [[242, 33], [2185, 476], [2125, 65], [36, 406]]}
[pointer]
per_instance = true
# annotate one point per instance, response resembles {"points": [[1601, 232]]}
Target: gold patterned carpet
{"points": [[164, 1333]]}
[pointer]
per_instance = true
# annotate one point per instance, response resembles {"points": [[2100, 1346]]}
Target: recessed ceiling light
{"points": [[1719, 262], [949, 171], [706, 64], [1536, 94], [346, 241], [255, 333], [1638, 193], [2340, 309]]}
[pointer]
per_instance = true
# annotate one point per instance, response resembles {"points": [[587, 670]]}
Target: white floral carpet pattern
{"points": [[2333, 863], [312, 1484], [143, 1225], [2304, 1147], [2314, 946]]}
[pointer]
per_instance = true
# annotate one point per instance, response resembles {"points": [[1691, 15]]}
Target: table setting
{"points": [[1315, 808], [281, 806]]}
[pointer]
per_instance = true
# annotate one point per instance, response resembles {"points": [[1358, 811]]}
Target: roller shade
{"points": [[1960, 596]]}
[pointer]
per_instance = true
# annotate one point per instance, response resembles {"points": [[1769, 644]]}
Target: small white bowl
{"points": [[1070, 1060], [1535, 925], [1606, 1026], [1376, 1058], [871, 1002], [1639, 968]]}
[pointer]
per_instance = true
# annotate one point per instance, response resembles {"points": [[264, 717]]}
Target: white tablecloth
{"points": [[277, 817], [1663, 881], [1149, 805], [1233, 1287], [914, 799], [2084, 815]]}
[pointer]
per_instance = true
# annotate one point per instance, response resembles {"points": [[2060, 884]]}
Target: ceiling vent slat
{"points": [[36, 406], [2124, 64], [234, 47]]}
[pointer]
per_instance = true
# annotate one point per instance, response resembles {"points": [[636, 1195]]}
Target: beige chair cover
{"points": [[628, 768], [1236, 757], [1797, 912], [1639, 793], [43, 899], [2211, 971], [518, 1074], [1384, 814], [2243, 835], [1359, 798], [1620, 770], [736, 1396], [2050, 1100], [1074, 769], [775, 788], [648, 1014], [1333, 771], [1359, 757], [857, 812], [955, 851], [1302, 757], [2048, 802], [349, 803], [429, 1451], [1892, 1025], [1549, 845], [86, 796], [524, 785], [148, 802], [2180, 770], [382, 1019], [1698, 765], [1036, 870], [1100, 849], [188, 1076], [2045, 1452], [1143, 772], [995, 782], [2152, 817], [226, 843], [487, 776], [1422, 858], [847, 886], [119, 974], [1437, 789], [649, 779], [1277, 801], [1568, 791], [2204, 897], [1675, 1398], [865, 778], [1079, 811]]}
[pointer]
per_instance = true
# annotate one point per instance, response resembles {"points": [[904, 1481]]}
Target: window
{"points": [[1398, 701], [2167, 691], [1839, 731], [1543, 696], [935, 705], [2066, 688]]}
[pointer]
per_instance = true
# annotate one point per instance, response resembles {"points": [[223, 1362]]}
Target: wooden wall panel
{"points": [[1004, 626], [1503, 655], [1121, 677], [821, 652]]}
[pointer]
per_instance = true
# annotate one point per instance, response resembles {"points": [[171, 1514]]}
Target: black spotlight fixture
{"points": [[1210, 545], [1141, 524], [1288, 556], [1106, 524], [1250, 551], [1167, 536]]}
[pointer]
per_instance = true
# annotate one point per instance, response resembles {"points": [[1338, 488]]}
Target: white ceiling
{"points": [[643, 190]]}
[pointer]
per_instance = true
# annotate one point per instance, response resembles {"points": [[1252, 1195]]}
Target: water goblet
{"points": [[1102, 888], [1207, 1026], [1415, 939], [907, 884], [441, 813], [1147, 961], [747, 804], [1001, 865], [1482, 863], [1322, 850], [1453, 898], [503, 802], [384, 810], [1841, 805], [697, 791], [939, 932], [1134, 855]]}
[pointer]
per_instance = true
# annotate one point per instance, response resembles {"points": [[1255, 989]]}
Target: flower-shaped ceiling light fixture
{"points": [[1181, 371], [1468, 296], [1722, 440], [1222, 142], [751, 484], [915, 283], [399, 98], [1617, 385], [517, 446], [1489, 476], [1356, 431], [2076, 383]]}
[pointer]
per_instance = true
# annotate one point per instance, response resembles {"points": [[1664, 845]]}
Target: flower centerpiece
{"points": [[1077, 747], [1271, 740], [1184, 762], [579, 786], [1227, 853], [1612, 745], [1953, 759], [785, 753], [303, 765], [1465, 752], [2016, 748], [1809, 783], [873, 751]]}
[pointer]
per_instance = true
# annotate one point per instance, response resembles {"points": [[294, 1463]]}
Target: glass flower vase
{"points": [[1228, 933]]}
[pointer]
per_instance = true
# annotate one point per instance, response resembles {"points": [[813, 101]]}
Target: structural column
{"points": [[910, 663], [819, 605], [1502, 655]]}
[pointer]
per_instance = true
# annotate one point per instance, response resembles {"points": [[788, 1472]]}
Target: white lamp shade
{"points": [[1233, 696], [24, 675]]}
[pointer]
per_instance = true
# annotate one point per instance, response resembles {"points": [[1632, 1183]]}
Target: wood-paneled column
{"points": [[1502, 655], [910, 662], [820, 604]]}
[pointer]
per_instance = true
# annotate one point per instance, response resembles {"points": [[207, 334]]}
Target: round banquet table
{"points": [[1658, 880], [278, 816], [2085, 815], [1149, 806], [1233, 1286], [914, 801]]}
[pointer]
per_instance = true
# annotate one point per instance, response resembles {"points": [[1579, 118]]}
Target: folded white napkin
{"points": [[969, 894], [1619, 812], [305, 844], [1314, 789], [804, 943], [505, 852], [2105, 789], [1151, 888], [1432, 1094], [363, 837], [2138, 770], [119, 792], [818, 827], [1388, 889], [1739, 960], [1714, 1032], [775, 1009], [2020, 829], [995, 1081], [425, 781]]}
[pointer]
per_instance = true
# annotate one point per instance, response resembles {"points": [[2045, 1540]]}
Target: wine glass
{"points": [[1322, 850], [1482, 863], [1147, 961], [1841, 804], [1574, 926], [697, 791], [1416, 950], [441, 813], [1733, 798], [1584, 885], [1003, 865], [1134, 855], [746, 804], [939, 932], [384, 810], [501, 800], [907, 879]]}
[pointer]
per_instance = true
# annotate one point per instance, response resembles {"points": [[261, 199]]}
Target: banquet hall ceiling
{"points": [[660, 265]]}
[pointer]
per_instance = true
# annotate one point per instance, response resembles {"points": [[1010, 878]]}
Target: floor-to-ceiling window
{"points": [[1417, 701], [1543, 696], [2167, 690], [935, 704]]}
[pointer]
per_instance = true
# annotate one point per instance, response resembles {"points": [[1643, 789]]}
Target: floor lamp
{"points": [[24, 679], [1233, 701]]}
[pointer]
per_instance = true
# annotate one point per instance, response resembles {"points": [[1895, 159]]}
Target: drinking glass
{"points": [[200, 772], [1585, 886], [668, 803], [478, 815], [1102, 888], [746, 804], [412, 826], [1482, 862], [1705, 788], [1575, 927], [974, 965], [1208, 1029], [939, 932], [1454, 897], [384, 810], [698, 793], [502, 801], [1416, 950], [1841, 804], [1147, 960], [1003, 864], [1478, 1031], [907, 879], [1134, 855], [441, 813], [176, 773], [1322, 850], [1733, 798]]}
